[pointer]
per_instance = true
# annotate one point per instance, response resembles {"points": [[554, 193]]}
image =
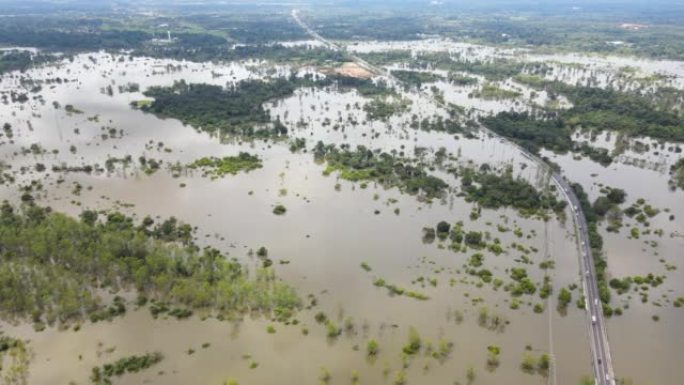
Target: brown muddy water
{"points": [[326, 235]]}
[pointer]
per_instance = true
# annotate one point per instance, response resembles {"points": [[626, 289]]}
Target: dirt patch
{"points": [[350, 69]]}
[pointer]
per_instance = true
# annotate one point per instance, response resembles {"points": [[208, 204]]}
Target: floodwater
{"points": [[326, 235], [646, 355], [628, 73]]}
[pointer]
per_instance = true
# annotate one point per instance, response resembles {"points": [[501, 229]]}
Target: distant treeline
{"points": [[662, 36], [209, 38]]}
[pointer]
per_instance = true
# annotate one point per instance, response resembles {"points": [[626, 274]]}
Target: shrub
{"points": [[414, 342], [528, 364], [372, 348], [473, 238]]}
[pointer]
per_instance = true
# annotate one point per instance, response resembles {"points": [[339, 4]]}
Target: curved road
{"points": [[598, 338]]}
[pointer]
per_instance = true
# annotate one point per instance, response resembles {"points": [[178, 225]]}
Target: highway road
{"points": [[598, 338], [312, 33]]}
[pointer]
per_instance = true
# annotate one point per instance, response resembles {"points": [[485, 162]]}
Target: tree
{"points": [[564, 298], [372, 348], [518, 273], [617, 196], [467, 180], [89, 217], [544, 364], [473, 238], [494, 349], [428, 234], [476, 260], [262, 252], [493, 352], [443, 227], [528, 363], [414, 342], [279, 210], [601, 206]]}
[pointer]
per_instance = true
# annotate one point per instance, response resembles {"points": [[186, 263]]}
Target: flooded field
{"points": [[338, 238], [656, 254]]}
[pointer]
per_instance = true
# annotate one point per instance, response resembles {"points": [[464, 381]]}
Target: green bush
{"points": [[279, 210]]}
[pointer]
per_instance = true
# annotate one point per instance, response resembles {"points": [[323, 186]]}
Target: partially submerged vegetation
{"points": [[609, 109], [21, 60], [531, 133], [54, 266], [438, 123], [238, 108], [677, 174], [564, 299], [15, 357], [364, 165], [365, 87], [491, 70], [384, 108], [490, 91], [89, 268], [531, 364], [235, 110], [593, 109], [399, 291], [416, 78], [218, 167], [279, 209], [607, 207], [133, 364], [493, 191]]}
